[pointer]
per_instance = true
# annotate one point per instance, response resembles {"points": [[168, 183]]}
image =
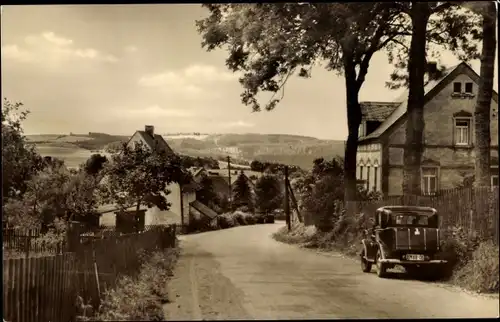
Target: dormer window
{"points": [[457, 88], [469, 87]]}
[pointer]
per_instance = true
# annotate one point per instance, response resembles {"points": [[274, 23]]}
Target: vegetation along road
{"points": [[242, 273]]}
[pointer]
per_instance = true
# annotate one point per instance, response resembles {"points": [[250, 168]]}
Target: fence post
{"points": [[28, 243], [287, 204], [73, 236]]}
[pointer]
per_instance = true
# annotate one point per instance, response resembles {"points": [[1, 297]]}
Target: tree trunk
{"points": [[483, 103], [415, 111], [353, 122]]}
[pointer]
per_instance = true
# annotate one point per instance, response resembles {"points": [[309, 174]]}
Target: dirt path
{"points": [[241, 273]]}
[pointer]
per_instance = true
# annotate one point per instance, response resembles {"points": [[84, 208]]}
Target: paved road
{"points": [[241, 273]]}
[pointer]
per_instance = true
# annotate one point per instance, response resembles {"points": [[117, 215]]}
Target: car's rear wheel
{"points": [[366, 266], [381, 267]]}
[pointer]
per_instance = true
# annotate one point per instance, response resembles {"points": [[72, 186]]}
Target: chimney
{"points": [[150, 130], [432, 70]]}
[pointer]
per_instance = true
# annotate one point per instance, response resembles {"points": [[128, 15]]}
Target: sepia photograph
{"points": [[250, 161]]}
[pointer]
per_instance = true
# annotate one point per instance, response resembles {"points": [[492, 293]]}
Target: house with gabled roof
{"points": [[180, 198], [448, 155]]}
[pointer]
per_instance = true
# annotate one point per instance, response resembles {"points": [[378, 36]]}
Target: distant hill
{"points": [[91, 141], [242, 148], [287, 149]]}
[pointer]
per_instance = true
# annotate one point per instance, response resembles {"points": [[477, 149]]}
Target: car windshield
{"points": [[411, 220]]}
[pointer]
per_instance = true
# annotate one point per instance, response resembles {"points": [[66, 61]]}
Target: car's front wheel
{"points": [[381, 267], [366, 266]]}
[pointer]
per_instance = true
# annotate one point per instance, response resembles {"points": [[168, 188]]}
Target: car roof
{"points": [[426, 210]]}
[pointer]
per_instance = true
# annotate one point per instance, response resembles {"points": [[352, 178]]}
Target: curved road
{"points": [[242, 273]]}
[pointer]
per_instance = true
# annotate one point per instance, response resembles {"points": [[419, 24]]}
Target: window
{"points": [[462, 131], [429, 181], [368, 178], [375, 177], [494, 181], [457, 87], [361, 133], [468, 87], [360, 172]]}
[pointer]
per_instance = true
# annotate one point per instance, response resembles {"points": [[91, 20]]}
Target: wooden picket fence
{"points": [[49, 288], [475, 210]]}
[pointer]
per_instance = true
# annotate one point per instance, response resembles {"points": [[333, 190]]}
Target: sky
{"points": [[116, 68]]}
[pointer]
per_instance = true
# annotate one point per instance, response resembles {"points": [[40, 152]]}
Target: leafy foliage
{"points": [[270, 42], [140, 176], [242, 194], [272, 167], [268, 194], [95, 164], [53, 193], [199, 162], [20, 161]]}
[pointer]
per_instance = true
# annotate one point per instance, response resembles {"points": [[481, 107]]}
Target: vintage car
{"points": [[403, 235]]}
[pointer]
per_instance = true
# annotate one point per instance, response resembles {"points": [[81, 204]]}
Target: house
{"points": [[448, 155], [180, 198]]}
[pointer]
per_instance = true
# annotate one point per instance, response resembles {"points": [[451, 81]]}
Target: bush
{"points": [[239, 218], [480, 273], [250, 219], [226, 221], [142, 298]]}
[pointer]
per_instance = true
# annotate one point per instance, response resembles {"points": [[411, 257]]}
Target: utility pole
{"points": [[287, 202], [229, 184]]}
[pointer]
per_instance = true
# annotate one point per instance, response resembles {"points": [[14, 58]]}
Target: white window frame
{"points": [[466, 129], [425, 181]]}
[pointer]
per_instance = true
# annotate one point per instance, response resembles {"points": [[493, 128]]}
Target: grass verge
{"points": [[474, 266], [140, 298]]}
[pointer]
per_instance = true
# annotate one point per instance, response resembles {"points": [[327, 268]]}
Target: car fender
{"points": [[383, 249], [368, 247]]}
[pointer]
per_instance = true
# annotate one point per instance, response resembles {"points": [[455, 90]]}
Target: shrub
{"points": [[239, 217], [480, 273], [457, 247], [226, 221], [142, 298], [250, 219]]}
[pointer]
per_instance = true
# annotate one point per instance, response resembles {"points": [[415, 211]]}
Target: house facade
{"points": [[449, 153]]}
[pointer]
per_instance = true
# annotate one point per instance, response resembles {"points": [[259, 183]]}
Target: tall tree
{"points": [[268, 194], [482, 114], [242, 195], [269, 42], [439, 23]]}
